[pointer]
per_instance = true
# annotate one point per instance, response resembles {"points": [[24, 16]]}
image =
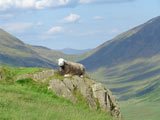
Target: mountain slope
{"points": [[140, 42], [130, 66], [14, 52], [133, 79], [12, 46], [136, 86]]}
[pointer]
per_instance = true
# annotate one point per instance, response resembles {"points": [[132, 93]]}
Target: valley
{"points": [[129, 65]]}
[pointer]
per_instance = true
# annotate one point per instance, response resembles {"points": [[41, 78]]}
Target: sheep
{"points": [[71, 68]]}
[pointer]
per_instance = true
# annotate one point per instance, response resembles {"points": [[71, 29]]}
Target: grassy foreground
{"points": [[31, 101]]}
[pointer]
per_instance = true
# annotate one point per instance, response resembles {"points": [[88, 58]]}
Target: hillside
{"points": [[136, 86], [129, 65], [133, 79], [24, 95], [140, 42], [13, 52]]}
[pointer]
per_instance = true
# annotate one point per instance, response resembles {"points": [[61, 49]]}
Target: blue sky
{"points": [[78, 24]]}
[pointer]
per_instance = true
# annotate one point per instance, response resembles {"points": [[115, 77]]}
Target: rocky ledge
{"points": [[94, 93]]}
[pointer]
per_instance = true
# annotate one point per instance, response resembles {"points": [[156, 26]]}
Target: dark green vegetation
{"points": [[29, 100]]}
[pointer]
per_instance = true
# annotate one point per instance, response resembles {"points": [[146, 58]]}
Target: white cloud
{"points": [[71, 18], [18, 27], [97, 17], [35, 4], [55, 29], [42, 4], [85, 1], [8, 4], [103, 1]]}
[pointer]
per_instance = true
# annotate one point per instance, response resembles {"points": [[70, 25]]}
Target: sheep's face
{"points": [[61, 62]]}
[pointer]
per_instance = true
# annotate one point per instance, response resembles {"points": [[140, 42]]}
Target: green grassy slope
{"points": [[132, 79], [136, 85], [28, 100]]}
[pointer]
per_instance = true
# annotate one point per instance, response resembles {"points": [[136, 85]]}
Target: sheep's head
{"points": [[60, 62]]}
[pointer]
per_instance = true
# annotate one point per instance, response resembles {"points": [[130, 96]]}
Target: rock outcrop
{"points": [[94, 93]]}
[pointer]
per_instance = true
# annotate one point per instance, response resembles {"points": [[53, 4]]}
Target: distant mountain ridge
{"points": [[71, 51], [140, 42]]}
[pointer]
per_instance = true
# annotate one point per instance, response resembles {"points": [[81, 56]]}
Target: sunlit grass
{"points": [[29, 100]]}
